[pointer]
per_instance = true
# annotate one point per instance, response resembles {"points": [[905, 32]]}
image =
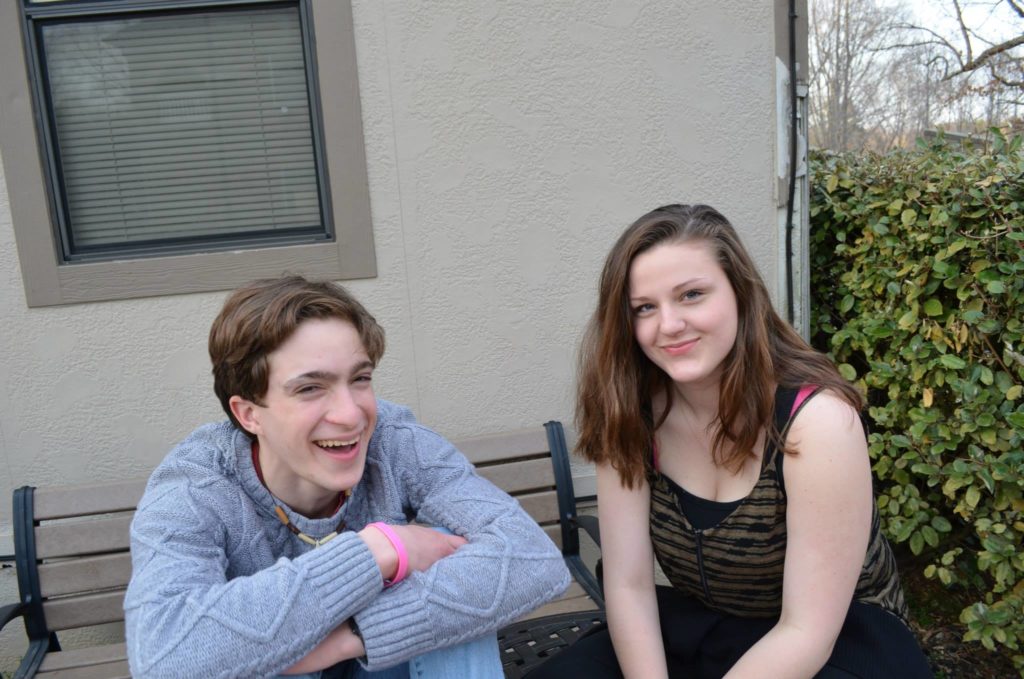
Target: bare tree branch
{"points": [[984, 57], [963, 30]]}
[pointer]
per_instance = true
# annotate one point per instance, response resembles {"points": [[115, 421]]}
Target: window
{"points": [[179, 147]]}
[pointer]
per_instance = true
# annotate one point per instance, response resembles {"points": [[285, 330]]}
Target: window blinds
{"points": [[182, 127]]}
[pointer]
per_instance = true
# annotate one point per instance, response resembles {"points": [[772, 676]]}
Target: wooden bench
{"points": [[71, 552]]}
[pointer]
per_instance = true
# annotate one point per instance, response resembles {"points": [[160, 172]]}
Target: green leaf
{"points": [[972, 317], [907, 320], [995, 287], [908, 217], [930, 536], [952, 362], [1016, 420], [987, 479], [847, 371], [916, 543], [846, 304], [933, 307], [990, 326], [941, 524], [973, 496], [956, 246], [831, 183]]}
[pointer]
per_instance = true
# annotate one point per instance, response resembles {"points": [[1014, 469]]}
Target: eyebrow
{"points": [[696, 280], [324, 375]]}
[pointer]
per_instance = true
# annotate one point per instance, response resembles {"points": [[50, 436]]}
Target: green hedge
{"points": [[917, 287]]}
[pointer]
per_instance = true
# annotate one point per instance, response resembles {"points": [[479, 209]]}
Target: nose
{"points": [[343, 409], [672, 321]]}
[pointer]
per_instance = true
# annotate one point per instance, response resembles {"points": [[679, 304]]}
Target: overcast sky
{"points": [[992, 20]]}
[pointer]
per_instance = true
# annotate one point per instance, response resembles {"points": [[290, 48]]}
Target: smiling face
{"points": [[315, 421], [684, 311]]}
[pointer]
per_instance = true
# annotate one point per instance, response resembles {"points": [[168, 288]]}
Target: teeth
{"points": [[335, 443]]}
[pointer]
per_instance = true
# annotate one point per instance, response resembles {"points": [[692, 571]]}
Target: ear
{"points": [[247, 414]]}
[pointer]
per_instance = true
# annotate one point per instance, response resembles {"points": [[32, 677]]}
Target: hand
{"points": [[423, 545], [341, 644], [426, 545]]}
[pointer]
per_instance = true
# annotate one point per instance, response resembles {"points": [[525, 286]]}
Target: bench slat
{"points": [[543, 506], [93, 498], [85, 610], [69, 538], [483, 449], [554, 531], [93, 655], [112, 670], [520, 476], [57, 578]]}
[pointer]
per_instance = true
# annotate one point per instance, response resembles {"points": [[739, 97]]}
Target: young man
{"points": [[278, 542]]}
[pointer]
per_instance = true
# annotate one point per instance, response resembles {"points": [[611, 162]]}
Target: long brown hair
{"points": [[616, 381]]}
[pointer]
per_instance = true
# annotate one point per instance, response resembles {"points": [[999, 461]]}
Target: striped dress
{"points": [[735, 567]]}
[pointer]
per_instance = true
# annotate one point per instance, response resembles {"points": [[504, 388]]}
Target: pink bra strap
{"points": [[801, 396]]}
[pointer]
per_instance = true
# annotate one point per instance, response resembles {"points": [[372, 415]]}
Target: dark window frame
{"points": [[51, 279]]}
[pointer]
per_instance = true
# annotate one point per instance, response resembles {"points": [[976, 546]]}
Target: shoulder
{"points": [[398, 430], [390, 415], [203, 465], [827, 435], [825, 413]]}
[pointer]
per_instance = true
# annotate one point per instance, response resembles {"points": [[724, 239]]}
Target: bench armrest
{"points": [[10, 612]]}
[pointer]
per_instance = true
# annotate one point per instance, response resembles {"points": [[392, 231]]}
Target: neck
{"points": [[700, 402], [298, 495]]}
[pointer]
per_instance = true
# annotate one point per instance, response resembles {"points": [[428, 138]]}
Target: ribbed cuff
{"points": [[395, 626], [344, 574]]}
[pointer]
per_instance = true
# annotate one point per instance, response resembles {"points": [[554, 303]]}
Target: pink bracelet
{"points": [[403, 556]]}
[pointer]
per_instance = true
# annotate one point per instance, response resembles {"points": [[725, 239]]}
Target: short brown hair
{"points": [[616, 380], [259, 317]]}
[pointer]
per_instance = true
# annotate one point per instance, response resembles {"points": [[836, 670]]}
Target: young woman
{"points": [[694, 396]]}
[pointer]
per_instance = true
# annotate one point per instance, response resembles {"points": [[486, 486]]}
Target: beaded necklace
{"points": [[282, 516]]}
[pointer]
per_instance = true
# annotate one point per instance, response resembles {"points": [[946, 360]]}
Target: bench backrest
{"points": [[79, 534]]}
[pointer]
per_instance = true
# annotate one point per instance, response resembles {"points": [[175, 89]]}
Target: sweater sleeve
{"points": [[508, 568], [185, 618]]}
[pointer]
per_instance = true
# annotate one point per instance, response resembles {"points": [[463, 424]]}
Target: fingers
{"points": [[426, 545], [456, 541]]}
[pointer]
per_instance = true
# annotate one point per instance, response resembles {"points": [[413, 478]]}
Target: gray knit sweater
{"points": [[220, 588]]}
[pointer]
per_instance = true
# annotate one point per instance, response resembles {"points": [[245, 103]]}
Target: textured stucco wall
{"points": [[508, 144]]}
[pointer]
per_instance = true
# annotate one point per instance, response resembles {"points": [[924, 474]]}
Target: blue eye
{"points": [[691, 295], [642, 308]]}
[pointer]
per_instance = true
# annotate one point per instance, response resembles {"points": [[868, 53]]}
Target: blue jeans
{"points": [[478, 659]]}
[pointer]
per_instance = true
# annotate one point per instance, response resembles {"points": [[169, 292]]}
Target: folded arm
{"points": [[185, 618], [508, 567]]}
